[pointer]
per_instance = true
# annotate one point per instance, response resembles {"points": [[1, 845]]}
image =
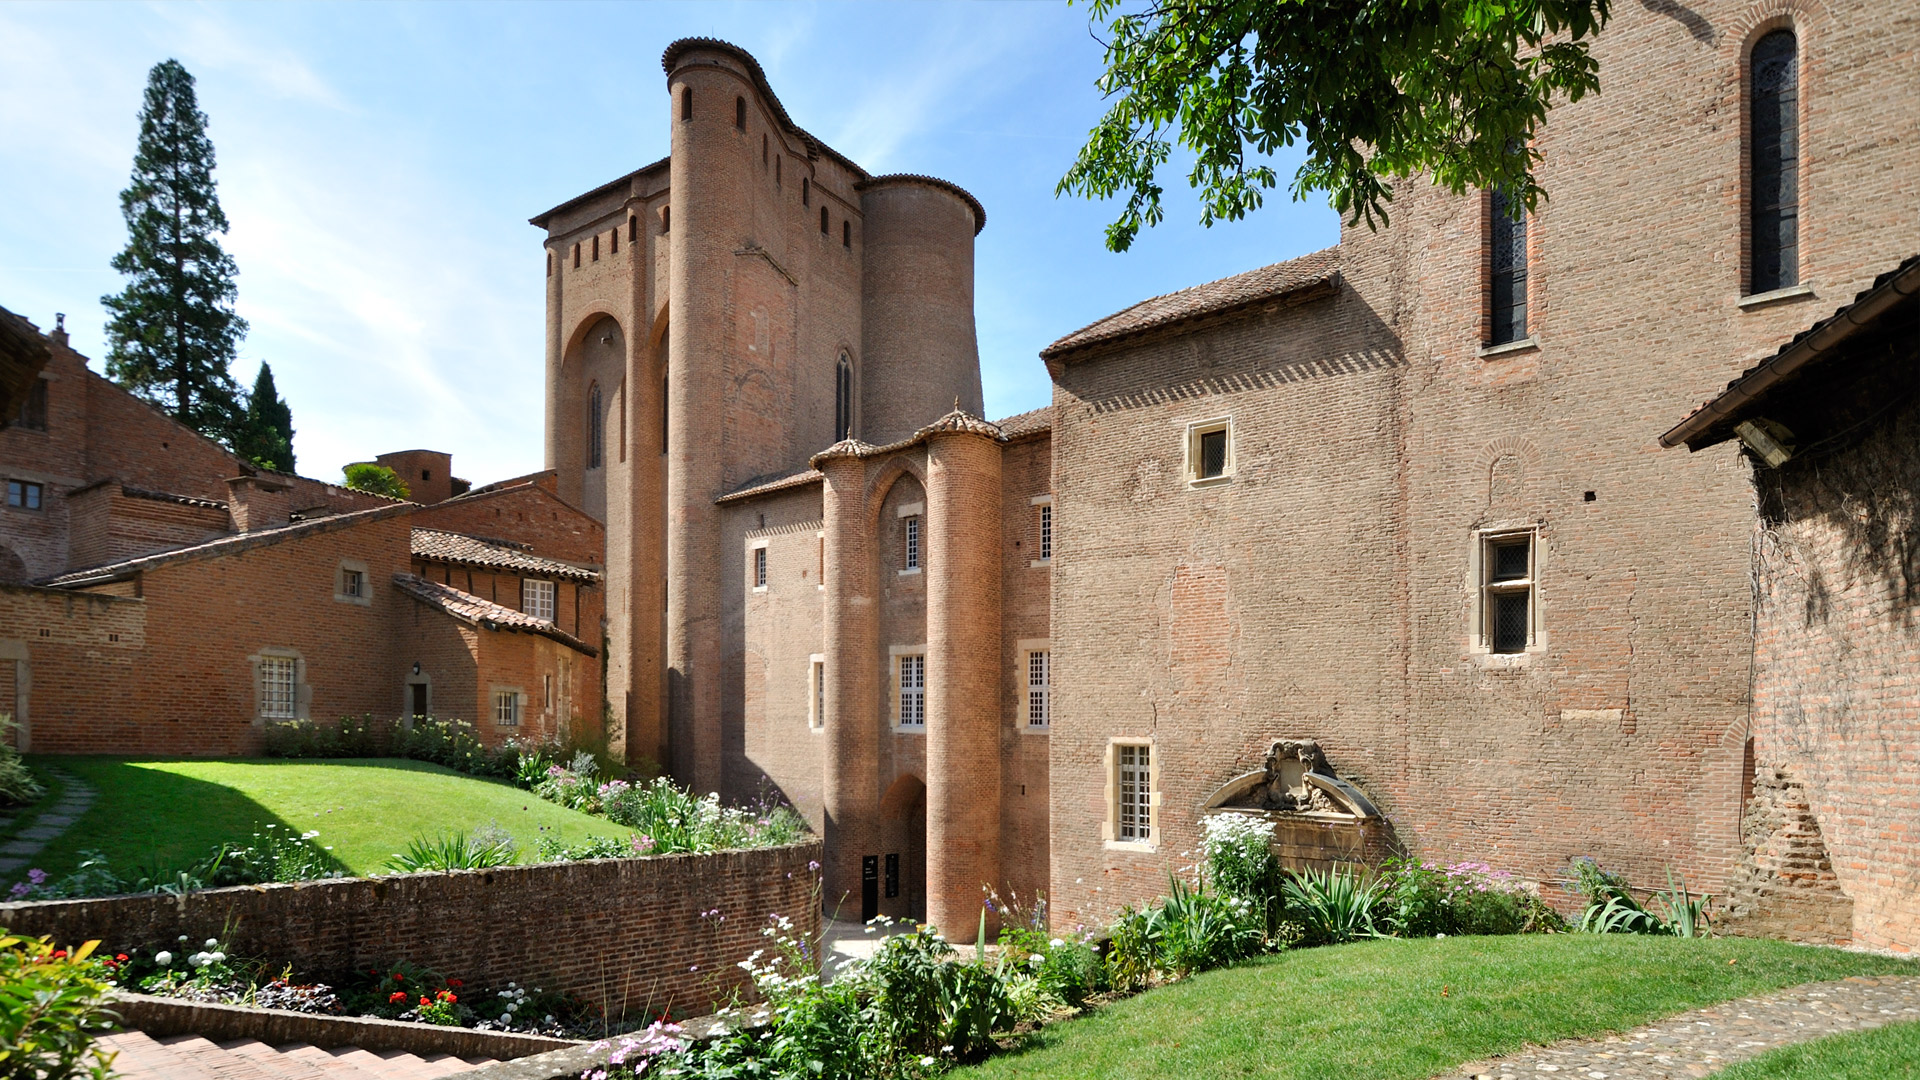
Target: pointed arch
{"points": [[844, 398]]}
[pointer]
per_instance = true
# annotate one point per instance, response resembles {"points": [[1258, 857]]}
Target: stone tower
{"points": [[713, 319]]}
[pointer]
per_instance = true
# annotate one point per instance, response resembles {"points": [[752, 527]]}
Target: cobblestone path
{"points": [[1700, 1043], [75, 799]]}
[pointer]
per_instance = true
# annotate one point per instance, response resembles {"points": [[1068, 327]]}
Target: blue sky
{"points": [[379, 162]]}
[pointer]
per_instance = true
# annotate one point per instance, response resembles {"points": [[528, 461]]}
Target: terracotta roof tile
{"points": [[436, 545], [486, 614], [1032, 422], [761, 485], [959, 421], [1318, 268]]}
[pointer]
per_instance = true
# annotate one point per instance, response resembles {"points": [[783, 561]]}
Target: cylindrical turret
{"points": [[920, 351], [852, 786], [963, 677]]}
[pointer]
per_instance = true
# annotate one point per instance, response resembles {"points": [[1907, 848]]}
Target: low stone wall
{"points": [[628, 935], [162, 1017]]}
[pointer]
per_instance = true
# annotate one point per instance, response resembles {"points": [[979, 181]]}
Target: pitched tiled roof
{"points": [[486, 614], [959, 421], [1023, 424], [435, 545], [1713, 420], [761, 485], [224, 545], [1320, 268], [168, 496]]}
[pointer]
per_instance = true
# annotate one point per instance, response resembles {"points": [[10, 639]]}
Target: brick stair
{"points": [[190, 1057]]}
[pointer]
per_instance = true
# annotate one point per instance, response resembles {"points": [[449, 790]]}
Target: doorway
{"points": [[903, 862]]}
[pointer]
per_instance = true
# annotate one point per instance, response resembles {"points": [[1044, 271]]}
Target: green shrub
{"points": [[1417, 899], [1239, 856], [1133, 948], [349, 737], [18, 785], [53, 1002], [1612, 908], [376, 479], [1331, 906], [458, 851], [1199, 929], [453, 744], [550, 849]]}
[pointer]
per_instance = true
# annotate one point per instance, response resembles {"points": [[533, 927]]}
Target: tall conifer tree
{"points": [[265, 435], [173, 331]]}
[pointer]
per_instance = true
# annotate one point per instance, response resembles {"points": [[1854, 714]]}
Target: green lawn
{"points": [[169, 813], [1884, 1052], [1407, 1010]]}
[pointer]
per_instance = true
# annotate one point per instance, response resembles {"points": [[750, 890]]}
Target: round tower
{"points": [[917, 293]]}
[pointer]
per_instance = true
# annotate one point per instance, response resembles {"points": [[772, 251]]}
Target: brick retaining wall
{"points": [[625, 934]]}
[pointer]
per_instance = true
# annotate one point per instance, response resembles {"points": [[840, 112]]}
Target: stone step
{"points": [[215, 1059], [139, 1057]]}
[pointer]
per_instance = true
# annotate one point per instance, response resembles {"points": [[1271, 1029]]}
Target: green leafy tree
{"points": [[377, 479], [265, 433], [172, 332], [1375, 89]]}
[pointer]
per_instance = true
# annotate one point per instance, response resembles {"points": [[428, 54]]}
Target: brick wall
{"points": [[65, 648], [525, 514], [625, 934], [1837, 677]]}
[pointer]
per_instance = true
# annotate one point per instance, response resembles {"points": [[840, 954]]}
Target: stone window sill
{"points": [[909, 571], [1530, 343], [1776, 296], [1038, 564], [1036, 729], [1210, 481], [910, 729], [1145, 847]]}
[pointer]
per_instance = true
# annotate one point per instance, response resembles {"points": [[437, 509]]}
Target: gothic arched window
{"points": [[1774, 198], [1507, 237], [843, 399], [596, 427]]}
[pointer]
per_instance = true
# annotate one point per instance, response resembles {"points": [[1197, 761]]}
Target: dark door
{"points": [[869, 886], [419, 699]]}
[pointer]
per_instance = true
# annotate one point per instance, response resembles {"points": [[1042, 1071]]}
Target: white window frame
{"points": [[1039, 687], [897, 657], [913, 537], [1124, 831], [343, 579], [1483, 589], [533, 598], [279, 688], [757, 566], [817, 692], [1197, 429], [1043, 530], [508, 706]]}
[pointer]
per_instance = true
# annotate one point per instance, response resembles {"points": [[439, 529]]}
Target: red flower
{"points": [[122, 957], [397, 977], [447, 996], [396, 997], [424, 1001], [60, 954], [455, 982]]}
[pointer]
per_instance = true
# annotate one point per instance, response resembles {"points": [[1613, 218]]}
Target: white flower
{"points": [[310, 834], [927, 1061], [163, 958], [213, 943], [1055, 943]]}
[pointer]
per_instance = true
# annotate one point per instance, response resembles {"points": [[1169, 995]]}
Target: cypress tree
{"points": [[265, 435], [172, 332]]}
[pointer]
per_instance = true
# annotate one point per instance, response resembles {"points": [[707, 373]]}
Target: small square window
{"points": [[1209, 451], [353, 583], [24, 494], [506, 708], [536, 598]]}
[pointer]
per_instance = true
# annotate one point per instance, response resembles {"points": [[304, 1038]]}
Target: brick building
{"points": [[1831, 847], [1401, 498], [158, 595]]}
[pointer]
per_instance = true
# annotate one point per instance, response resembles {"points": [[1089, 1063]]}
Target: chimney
{"points": [[257, 502]]}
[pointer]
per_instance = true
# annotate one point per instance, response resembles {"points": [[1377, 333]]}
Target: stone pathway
{"points": [[75, 799], [1702, 1042]]}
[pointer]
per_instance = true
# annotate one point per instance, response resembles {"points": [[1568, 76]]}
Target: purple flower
{"points": [[37, 876], [813, 864]]}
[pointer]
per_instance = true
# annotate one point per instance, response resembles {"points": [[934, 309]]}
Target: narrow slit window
{"points": [[596, 427], [666, 219], [1046, 531], [843, 398], [1507, 237], [913, 691], [576, 256], [1774, 202], [614, 239], [1134, 787], [633, 228], [740, 113], [596, 247], [817, 684], [686, 103], [846, 234], [806, 192], [823, 221], [910, 540]]}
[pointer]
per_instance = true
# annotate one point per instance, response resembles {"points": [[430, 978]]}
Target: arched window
{"points": [[1774, 198], [843, 398], [686, 103], [740, 113], [1507, 239], [633, 228], [596, 427], [666, 219], [806, 192], [846, 234], [823, 221]]}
